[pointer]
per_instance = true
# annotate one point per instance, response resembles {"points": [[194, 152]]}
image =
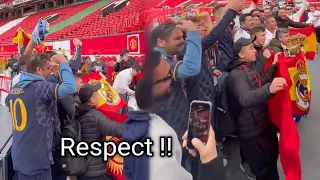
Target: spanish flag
{"points": [[110, 101], [305, 38], [22, 38], [289, 105]]}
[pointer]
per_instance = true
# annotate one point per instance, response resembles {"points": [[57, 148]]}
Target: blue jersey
{"points": [[35, 123]]}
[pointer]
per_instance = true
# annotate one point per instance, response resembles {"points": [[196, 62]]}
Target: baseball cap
{"points": [[240, 43], [87, 91], [124, 51]]}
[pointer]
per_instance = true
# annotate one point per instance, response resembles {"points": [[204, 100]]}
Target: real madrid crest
{"points": [[107, 93], [133, 44], [301, 86], [296, 42]]}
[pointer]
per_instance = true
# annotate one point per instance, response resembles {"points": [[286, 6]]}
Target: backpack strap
{"points": [[254, 75]]}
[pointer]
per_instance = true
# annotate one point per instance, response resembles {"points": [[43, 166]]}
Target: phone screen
{"points": [[199, 122]]}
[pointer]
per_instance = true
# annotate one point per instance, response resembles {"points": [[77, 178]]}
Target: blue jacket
{"points": [[32, 103], [135, 129], [175, 109]]}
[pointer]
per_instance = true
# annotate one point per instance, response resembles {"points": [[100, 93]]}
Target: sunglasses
{"points": [[168, 77]]}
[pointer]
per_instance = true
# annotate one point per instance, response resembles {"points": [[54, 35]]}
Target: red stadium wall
{"points": [[112, 45], [109, 45]]}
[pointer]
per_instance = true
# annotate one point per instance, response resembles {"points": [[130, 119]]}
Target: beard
{"points": [[163, 97]]}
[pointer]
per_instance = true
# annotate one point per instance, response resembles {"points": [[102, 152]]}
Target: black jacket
{"points": [[212, 170], [275, 46], [285, 23], [249, 93], [119, 66], [95, 127]]}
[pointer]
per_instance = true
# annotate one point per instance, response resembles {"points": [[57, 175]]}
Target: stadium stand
{"points": [[126, 20], [29, 23]]}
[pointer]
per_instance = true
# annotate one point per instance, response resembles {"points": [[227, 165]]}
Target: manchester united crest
{"points": [[133, 44]]}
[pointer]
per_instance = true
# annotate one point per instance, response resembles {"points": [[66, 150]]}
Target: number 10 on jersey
{"points": [[23, 114]]}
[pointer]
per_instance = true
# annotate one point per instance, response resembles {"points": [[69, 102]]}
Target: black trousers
{"points": [[102, 177], [261, 153]]}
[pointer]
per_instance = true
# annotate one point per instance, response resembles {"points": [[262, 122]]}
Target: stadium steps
{"points": [[77, 17], [10, 24]]}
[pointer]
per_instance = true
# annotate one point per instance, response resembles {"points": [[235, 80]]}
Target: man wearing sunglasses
{"points": [[98, 65]]}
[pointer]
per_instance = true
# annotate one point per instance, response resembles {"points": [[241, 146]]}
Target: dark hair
{"points": [[96, 53], [86, 57], [216, 8], [194, 19], [261, 11], [254, 11], [23, 60], [243, 17], [163, 31], [274, 7], [281, 31], [257, 29], [50, 53], [78, 75], [11, 56], [39, 60], [143, 93], [256, 16], [152, 62], [137, 67]]}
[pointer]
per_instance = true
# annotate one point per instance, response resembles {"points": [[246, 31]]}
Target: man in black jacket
{"points": [[94, 128], [124, 62], [284, 21], [250, 91]]}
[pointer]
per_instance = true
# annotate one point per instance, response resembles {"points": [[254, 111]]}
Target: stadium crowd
{"points": [[185, 61]]}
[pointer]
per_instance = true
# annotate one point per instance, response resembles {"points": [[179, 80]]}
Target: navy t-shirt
{"points": [[34, 119]]}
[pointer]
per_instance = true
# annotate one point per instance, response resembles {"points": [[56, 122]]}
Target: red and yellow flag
{"points": [[306, 38], [22, 38], [289, 105], [115, 163], [110, 101]]}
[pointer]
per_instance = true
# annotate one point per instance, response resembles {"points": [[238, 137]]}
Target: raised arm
{"points": [[300, 12], [190, 66], [75, 62], [217, 32], [298, 24]]}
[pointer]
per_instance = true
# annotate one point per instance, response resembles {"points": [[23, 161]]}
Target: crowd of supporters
{"points": [[192, 59]]}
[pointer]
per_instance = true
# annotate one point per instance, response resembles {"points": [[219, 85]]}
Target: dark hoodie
{"points": [[250, 93], [135, 129], [95, 127]]}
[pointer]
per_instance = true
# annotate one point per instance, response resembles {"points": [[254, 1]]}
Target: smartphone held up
{"points": [[199, 121]]}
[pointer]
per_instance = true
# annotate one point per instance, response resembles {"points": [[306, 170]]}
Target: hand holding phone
{"points": [[207, 152], [199, 121]]}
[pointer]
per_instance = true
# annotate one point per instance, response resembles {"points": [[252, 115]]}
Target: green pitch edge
{"points": [[77, 17]]}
